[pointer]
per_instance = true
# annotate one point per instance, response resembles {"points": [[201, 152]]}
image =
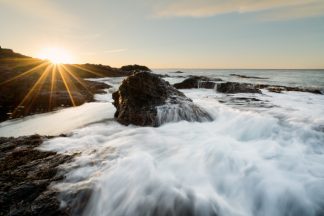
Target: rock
{"points": [[197, 82], [44, 98], [97, 87], [233, 87], [163, 75], [177, 72], [8, 53], [134, 68], [44, 84], [280, 89], [76, 201], [247, 77], [25, 174], [145, 99]]}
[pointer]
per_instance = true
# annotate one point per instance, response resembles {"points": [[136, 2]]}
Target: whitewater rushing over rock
{"points": [[184, 110], [262, 154], [145, 99]]}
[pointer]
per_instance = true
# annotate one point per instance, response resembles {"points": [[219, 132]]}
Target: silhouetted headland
{"points": [[30, 85]]}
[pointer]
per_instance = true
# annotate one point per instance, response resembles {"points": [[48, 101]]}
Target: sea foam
{"points": [[245, 162]]}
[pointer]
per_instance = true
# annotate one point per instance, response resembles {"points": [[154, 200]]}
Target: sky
{"points": [[170, 33]]}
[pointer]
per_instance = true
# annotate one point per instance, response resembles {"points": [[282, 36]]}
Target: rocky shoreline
{"points": [[237, 87], [32, 86], [143, 99], [25, 176]]}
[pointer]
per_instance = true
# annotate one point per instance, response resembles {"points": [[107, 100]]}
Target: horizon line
{"points": [[178, 68]]}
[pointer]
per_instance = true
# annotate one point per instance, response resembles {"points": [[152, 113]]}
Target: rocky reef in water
{"points": [[134, 68], [233, 87], [238, 87], [145, 99], [197, 82], [247, 77]]}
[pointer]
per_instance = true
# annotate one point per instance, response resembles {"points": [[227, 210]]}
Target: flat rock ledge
{"points": [[144, 99], [234, 87]]}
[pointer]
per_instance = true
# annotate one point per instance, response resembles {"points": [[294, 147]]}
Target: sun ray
{"points": [[31, 91], [44, 64], [40, 85], [62, 74], [76, 78], [88, 70], [53, 85]]}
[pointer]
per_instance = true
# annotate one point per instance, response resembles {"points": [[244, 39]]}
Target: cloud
{"points": [[271, 9], [115, 51]]}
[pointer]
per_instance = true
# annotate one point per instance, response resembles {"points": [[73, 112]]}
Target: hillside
{"points": [[29, 85]]}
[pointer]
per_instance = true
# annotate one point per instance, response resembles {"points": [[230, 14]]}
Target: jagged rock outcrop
{"points": [[234, 87], [145, 99], [197, 82], [135, 68]]}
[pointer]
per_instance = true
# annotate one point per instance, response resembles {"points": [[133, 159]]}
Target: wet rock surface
{"points": [[15, 103], [280, 89], [145, 99], [247, 77], [234, 87], [178, 72], [135, 68], [197, 82], [25, 176]]}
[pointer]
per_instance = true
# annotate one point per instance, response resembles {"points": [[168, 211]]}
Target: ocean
{"points": [[263, 154]]}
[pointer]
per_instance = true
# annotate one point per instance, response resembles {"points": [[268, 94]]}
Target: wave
{"points": [[244, 162]]}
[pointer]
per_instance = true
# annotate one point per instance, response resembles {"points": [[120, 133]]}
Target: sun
{"points": [[56, 55]]}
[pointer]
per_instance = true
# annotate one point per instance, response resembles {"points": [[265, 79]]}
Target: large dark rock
{"points": [[145, 99], [197, 82], [234, 87]]}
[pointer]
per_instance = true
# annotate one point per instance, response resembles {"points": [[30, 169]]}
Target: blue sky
{"points": [[170, 33]]}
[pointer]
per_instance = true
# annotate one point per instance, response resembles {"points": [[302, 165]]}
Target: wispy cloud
{"points": [[115, 50], [272, 9]]}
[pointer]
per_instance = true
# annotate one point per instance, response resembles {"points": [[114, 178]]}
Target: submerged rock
{"points": [[234, 87], [145, 99], [247, 77], [178, 72], [197, 82]]}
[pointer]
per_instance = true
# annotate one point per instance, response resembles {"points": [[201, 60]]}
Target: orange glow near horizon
{"points": [[56, 55]]}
